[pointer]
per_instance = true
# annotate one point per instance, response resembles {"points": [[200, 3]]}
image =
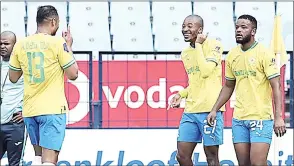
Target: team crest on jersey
{"points": [[65, 47], [252, 61]]}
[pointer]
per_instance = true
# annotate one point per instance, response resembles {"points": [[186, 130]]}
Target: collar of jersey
{"points": [[252, 46]]}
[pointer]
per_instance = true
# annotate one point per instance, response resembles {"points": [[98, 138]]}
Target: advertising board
{"points": [[114, 147]]}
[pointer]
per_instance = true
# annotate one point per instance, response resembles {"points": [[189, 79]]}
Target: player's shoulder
{"points": [[185, 51], [213, 42], [233, 52]]}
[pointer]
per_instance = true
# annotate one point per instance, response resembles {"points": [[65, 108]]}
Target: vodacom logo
{"points": [[77, 113]]}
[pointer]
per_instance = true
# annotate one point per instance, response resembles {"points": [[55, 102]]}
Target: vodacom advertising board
{"points": [[135, 93]]}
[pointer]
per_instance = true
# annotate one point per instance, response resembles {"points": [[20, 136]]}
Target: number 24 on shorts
{"points": [[256, 124], [36, 70]]}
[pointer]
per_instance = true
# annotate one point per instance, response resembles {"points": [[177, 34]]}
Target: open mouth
{"points": [[186, 35], [239, 36]]}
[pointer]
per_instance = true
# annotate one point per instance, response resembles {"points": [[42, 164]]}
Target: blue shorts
{"points": [[47, 131], [252, 131], [193, 127]]}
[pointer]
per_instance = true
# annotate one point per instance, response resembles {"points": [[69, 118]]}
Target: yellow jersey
{"points": [[252, 69], [42, 58], [205, 78]]}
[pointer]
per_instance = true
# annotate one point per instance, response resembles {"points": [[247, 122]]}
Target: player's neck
{"points": [[43, 30], [192, 44], [248, 45]]}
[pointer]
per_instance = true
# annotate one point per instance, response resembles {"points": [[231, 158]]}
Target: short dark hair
{"points": [[200, 19], [46, 12], [250, 18]]}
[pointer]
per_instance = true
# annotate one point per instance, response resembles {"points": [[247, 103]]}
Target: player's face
{"points": [[190, 29], [7, 44], [244, 31], [55, 26]]}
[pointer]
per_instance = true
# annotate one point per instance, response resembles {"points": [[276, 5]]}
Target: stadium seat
{"points": [[168, 18], [286, 11], [264, 13], [32, 14], [12, 18], [218, 21], [89, 26], [130, 26]]}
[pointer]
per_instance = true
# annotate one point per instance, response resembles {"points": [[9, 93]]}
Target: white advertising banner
{"points": [[149, 147]]}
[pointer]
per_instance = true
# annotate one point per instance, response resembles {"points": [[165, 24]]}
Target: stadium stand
{"points": [[167, 24], [12, 17], [264, 13], [130, 26], [90, 26], [221, 25]]}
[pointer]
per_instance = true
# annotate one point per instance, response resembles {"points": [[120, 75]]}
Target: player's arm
{"points": [[15, 71], [184, 93], [228, 88], [67, 61], [272, 73], [208, 63]]}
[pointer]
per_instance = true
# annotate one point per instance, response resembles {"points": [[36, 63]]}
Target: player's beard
{"points": [[244, 40]]}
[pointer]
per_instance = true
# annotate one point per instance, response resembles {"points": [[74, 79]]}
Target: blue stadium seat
{"points": [[168, 18], [12, 18], [218, 21], [89, 26], [32, 13], [285, 9], [264, 13], [130, 26]]}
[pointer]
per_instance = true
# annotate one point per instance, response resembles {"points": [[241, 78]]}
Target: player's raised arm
{"points": [[15, 71], [66, 59], [209, 62]]}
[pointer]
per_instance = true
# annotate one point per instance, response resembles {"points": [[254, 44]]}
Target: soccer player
{"points": [[251, 68], [43, 59], [202, 61], [12, 134]]}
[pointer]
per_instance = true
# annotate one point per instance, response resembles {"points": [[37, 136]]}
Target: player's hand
{"points": [[201, 38], [67, 37], [280, 127], [18, 118], [175, 102], [211, 118]]}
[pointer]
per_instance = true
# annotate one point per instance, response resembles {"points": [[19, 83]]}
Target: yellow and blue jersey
{"points": [[42, 58], [252, 70], [205, 81]]}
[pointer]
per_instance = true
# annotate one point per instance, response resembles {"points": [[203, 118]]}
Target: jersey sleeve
{"points": [[215, 52], [228, 68], [65, 58], [14, 63], [270, 67]]}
